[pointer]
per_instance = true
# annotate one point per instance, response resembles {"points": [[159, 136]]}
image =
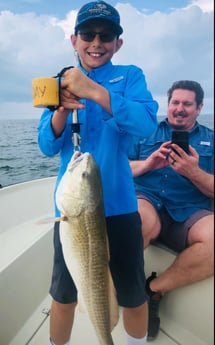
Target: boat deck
{"points": [[187, 314], [39, 322], [184, 315]]}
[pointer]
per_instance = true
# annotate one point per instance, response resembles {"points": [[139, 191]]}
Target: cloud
{"points": [[168, 47], [205, 5], [30, 46]]}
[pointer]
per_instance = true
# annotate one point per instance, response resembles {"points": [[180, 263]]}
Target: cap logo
{"points": [[100, 9]]}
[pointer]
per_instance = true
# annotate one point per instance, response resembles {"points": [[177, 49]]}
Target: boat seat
{"points": [[187, 313]]}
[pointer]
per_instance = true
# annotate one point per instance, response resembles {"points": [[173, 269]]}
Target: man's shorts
{"points": [[174, 234], [126, 263]]}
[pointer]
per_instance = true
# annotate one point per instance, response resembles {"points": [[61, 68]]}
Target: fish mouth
{"points": [[77, 158]]}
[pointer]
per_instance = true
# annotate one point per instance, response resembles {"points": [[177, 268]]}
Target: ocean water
{"points": [[20, 157]]}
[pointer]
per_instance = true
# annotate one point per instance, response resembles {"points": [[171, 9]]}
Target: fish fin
{"points": [[113, 303], [51, 220]]}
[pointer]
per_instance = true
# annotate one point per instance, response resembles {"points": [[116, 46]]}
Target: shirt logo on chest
{"points": [[115, 80]]}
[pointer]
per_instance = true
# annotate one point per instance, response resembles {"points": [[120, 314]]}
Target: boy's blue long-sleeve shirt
{"points": [[107, 137]]}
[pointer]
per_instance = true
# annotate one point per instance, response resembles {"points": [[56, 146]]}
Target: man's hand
{"points": [[182, 163], [159, 158]]}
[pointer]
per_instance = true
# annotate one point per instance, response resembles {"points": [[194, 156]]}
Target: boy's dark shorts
{"points": [[126, 263], [174, 234]]}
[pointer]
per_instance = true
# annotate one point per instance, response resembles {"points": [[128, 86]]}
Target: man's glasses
{"points": [[89, 36]]}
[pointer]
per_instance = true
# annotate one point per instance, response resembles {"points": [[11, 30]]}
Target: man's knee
{"points": [[202, 231], [150, 220]]}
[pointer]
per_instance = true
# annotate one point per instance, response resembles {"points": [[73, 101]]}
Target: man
{"points": [[174, 191]]}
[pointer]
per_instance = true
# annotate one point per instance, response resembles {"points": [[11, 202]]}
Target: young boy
{"points": [[113, 104]]}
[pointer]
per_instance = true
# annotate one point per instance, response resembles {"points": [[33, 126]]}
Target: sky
{"points": [[169, 39]]}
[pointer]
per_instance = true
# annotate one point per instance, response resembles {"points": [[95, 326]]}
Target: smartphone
{"points": [[181, 138]]}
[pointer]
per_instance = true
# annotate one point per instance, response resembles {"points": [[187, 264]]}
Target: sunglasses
{"points": [[104, 36]]}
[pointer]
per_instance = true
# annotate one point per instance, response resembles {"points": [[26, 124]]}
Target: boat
{"points": [[26, 251]]}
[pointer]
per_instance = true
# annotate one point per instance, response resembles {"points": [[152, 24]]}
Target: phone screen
{"points": [[181, 138]]}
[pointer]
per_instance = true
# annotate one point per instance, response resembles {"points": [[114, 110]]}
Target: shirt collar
{"points": [[194, 129], [99, 74]]}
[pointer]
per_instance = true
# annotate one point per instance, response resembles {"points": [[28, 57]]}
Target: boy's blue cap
{"points": [[98, 10]]}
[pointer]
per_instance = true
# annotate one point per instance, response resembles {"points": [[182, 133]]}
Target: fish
{"points": [[84, 242]]}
